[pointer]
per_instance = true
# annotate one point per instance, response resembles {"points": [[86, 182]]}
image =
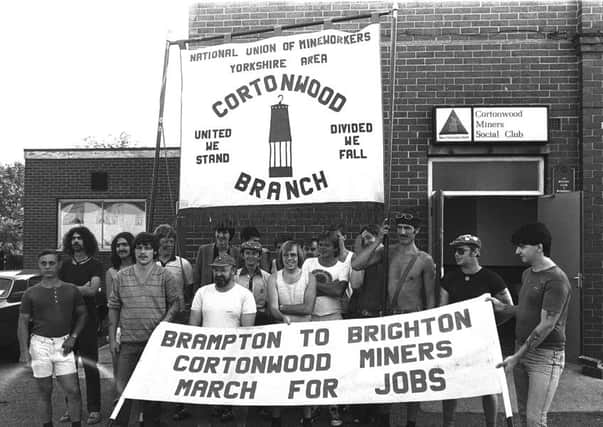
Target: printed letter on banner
{"points": [[444, 353], [284, 120]]}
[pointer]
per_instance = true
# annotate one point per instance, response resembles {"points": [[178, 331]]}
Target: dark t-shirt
{"points": [[370, 296], [52, 310], [548, 290], [461, 286], [79, 273]]}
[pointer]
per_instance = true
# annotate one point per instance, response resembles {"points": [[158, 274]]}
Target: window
{"points": [[104, 218], [5, 287]]}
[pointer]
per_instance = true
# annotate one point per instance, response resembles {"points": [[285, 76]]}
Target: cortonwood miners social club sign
{"points": [[292, 119], [444, 353]]}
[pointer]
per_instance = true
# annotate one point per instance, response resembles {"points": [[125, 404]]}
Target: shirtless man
{"points": [[417, 292]]}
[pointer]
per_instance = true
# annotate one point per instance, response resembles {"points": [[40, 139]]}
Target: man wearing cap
{"points": [[223, 234], [470, 281], [223, 304], [252, 277], [410, 275]]}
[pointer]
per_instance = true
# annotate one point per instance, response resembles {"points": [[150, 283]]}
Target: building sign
{"points": [[508, 124], [564, 179], [293, 119], [445, 353]]}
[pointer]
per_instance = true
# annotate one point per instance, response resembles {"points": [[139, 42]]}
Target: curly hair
{"points": [[90, 243], [115, 259]]}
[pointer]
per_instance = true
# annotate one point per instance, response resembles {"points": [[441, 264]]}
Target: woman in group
{"points": [[291, 297]]}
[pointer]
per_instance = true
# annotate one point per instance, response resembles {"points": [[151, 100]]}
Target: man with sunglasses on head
{"points": [[410, 275], [470, 281]]}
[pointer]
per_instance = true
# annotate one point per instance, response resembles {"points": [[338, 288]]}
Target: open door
{"points": [[562, 214]]}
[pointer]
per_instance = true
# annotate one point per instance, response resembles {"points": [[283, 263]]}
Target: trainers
{"points": [[276, 422], [93, 418], [227, 415], [65, 418], [181, 414], [336, 420], [307, 422]]}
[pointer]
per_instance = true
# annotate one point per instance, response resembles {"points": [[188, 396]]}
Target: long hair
{"points": [[115, 259], [286, 247], [90, 243]]}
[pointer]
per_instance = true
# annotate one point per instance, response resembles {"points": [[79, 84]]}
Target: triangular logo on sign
{"points": [[453, 126]]}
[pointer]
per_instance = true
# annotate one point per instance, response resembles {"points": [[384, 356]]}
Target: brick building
{"points": [[453, 53]]}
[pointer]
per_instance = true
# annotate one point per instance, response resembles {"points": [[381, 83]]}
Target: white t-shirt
{"points": [[223, 309], [339, 271], [174, 267]]}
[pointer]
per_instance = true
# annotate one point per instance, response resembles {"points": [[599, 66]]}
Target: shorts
{"points": [[47, 357]]}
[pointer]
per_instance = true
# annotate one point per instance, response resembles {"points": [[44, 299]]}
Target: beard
{"points": [[221, 281]]}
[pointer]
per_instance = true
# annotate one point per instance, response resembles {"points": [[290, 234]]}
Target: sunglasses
{"points": [[461, 251]]}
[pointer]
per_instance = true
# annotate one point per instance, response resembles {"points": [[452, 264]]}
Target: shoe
{"points": [[227, 415], [276, 422], [336, 420], [65, 418], [181, 414], [307, 422], [94, 417]]}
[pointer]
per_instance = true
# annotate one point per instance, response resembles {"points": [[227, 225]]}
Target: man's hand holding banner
{"points": [[443, 353]]}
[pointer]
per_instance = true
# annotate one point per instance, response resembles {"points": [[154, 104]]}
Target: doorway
{"points": [[494, 219]]}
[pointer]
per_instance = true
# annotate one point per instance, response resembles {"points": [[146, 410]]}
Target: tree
{"points": [[11, 208], [123, 140]]}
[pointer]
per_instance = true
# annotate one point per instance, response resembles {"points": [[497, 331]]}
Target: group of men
{"points": [[231, 286]]}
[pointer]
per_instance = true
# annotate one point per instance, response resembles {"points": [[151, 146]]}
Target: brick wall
{"points": [[50, 178], [464, 53], [590, 17]]}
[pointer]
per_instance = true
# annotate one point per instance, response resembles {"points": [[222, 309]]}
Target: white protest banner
{"points": [[291, 119], [443, 353]]}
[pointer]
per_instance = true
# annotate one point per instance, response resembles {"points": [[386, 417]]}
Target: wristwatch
{"points": [[74, 336]]}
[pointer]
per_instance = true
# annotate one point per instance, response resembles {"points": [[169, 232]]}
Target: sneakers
{"points": [[336, 420], [181, 414], [65, 418], [93, 418], [226, 415], [307, 422]]}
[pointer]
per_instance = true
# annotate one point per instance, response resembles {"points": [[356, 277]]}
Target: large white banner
{"points": [[443, 353], [292, 119]]}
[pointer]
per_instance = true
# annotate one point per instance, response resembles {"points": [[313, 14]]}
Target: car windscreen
{"points": [[5, 287]]}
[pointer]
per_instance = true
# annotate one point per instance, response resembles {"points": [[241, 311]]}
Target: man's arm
{"points": [[548, 320], [23, 336], [309, 298], [81, 314], [273, 302], [174, 297], [91, 288], [504, 296], [429, 269], [336, 288], [443, 297], [503, 311], [113, 322], [373, 253], [247, 319], [195, 318]]}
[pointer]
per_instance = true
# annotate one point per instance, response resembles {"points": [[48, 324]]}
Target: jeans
{"points": [[536, 378], [87, 348], [128, 357]]}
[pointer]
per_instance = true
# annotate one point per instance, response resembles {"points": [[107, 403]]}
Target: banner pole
{"points": [[117, 408], [159, 136], [388, 171]]}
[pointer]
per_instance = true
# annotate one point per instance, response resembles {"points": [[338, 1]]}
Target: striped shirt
{"points": [[142, 305]]}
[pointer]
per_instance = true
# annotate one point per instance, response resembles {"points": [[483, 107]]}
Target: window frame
{"points": [[61, 230]]}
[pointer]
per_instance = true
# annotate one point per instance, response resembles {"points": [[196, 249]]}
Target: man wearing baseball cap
{"points": [[410, 275], [254, 278], [470, 281], [223, 304]]}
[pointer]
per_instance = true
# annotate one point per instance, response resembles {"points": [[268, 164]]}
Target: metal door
{"points": [[562, 214]]}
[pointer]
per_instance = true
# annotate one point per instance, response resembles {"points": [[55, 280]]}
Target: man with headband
{"points": [[410, 275]]}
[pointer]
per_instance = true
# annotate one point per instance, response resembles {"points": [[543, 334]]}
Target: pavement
{"points": [[578, 402]]}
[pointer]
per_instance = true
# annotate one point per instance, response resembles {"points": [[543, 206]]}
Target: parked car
{"points": [[13, 285]]}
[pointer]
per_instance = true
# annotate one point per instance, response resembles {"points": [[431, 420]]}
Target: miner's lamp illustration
{"points": [[280, 165]]}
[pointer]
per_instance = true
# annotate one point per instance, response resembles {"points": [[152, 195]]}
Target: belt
{"points": [[51, 340]]}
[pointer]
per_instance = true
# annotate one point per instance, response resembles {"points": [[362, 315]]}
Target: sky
{"points": [[73, 69]]}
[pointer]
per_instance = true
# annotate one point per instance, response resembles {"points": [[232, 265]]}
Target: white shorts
{"points": [[47, 357]]}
